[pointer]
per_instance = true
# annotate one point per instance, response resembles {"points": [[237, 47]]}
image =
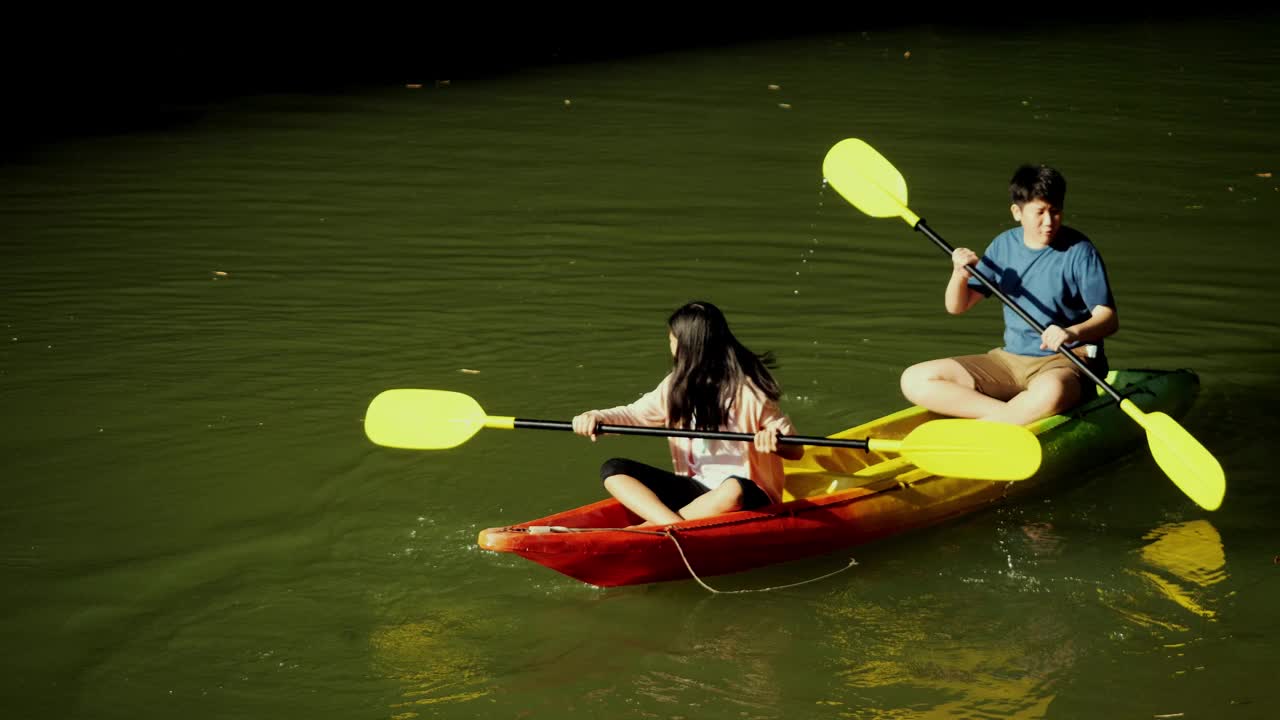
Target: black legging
{"points": [[676, 491]]}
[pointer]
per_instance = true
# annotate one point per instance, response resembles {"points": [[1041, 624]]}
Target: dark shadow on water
{"points": [[69, 77]]}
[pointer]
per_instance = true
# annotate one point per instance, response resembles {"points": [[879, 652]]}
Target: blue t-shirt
{"points": [[1058, 285]]}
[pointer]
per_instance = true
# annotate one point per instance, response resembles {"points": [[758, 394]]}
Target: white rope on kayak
{"points": [[543, 529], [685, 558]]}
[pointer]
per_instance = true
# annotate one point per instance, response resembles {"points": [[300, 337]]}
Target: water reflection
{"points": [[1185, 560], [649, 649], [1181, 562], [432, 661], [950, 660]]}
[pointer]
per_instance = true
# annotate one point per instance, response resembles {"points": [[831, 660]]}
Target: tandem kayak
{"points": [[837, 497]]}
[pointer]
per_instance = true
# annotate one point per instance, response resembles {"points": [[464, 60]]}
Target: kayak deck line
{"points": [[544, 529]]}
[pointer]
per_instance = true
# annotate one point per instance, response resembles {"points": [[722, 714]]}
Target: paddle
{"points": [[440, 419], [874, 186]]}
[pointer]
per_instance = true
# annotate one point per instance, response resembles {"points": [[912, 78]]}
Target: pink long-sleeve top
{"points": [[751, 411]]}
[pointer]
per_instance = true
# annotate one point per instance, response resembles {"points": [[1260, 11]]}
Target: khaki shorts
{"points": [[1002, 375]]}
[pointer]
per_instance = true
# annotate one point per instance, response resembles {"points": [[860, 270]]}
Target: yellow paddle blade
{"points": [[867, 180], [970, 449], [422, 419], [1191, 467]]}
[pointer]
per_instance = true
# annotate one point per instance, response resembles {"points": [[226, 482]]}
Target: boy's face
{"points": [[1040, 222]]}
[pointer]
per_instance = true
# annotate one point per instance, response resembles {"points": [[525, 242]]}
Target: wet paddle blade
{"points": [[422, 419], [1187, 463], [973, 449], [867, 180]]}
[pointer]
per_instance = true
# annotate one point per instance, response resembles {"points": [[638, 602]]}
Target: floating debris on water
{"points": [[906, 55], [785, 106], [774, 87], [567, 101], [469, 371], [220, 275], [413, 86], [1263, 174], [442, 83]]}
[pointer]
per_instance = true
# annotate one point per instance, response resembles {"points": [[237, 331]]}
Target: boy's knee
{"points": [[1056, 393], [907, 378], [913, 379]]}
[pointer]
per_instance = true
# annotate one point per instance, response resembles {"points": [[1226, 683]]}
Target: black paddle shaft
{"points": [[671, 432], [946, 248]]}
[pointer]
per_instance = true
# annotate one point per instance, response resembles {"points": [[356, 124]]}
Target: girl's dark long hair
{"points": [[709, 367]]}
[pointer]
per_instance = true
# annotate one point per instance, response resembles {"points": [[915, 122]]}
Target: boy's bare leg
{"points": [[945, 387], [1048, 394]]}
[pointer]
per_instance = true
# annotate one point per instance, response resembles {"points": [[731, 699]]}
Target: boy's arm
{"points": [[1096, 291], [959, 297], [1102, 322]]}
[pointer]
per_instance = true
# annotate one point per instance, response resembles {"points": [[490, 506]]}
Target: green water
{"points": [[196, 315]]}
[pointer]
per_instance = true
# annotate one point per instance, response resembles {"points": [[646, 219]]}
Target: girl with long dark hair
{"points": [[715, 383]]}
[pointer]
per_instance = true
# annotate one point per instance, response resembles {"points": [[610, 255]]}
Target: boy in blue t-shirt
{"points": [[1056, 275]]}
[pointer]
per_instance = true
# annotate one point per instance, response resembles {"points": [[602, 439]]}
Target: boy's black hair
{"points": [[1031, 182]]}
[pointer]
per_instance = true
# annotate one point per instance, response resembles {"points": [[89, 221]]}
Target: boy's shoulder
{"points": [[1014, 233], [1008, 241], [1005, 239], [1069, 239]]}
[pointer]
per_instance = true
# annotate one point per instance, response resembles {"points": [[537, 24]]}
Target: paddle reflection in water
{"points": [[1181, 563], [1186, 559], [1007, 644]]}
